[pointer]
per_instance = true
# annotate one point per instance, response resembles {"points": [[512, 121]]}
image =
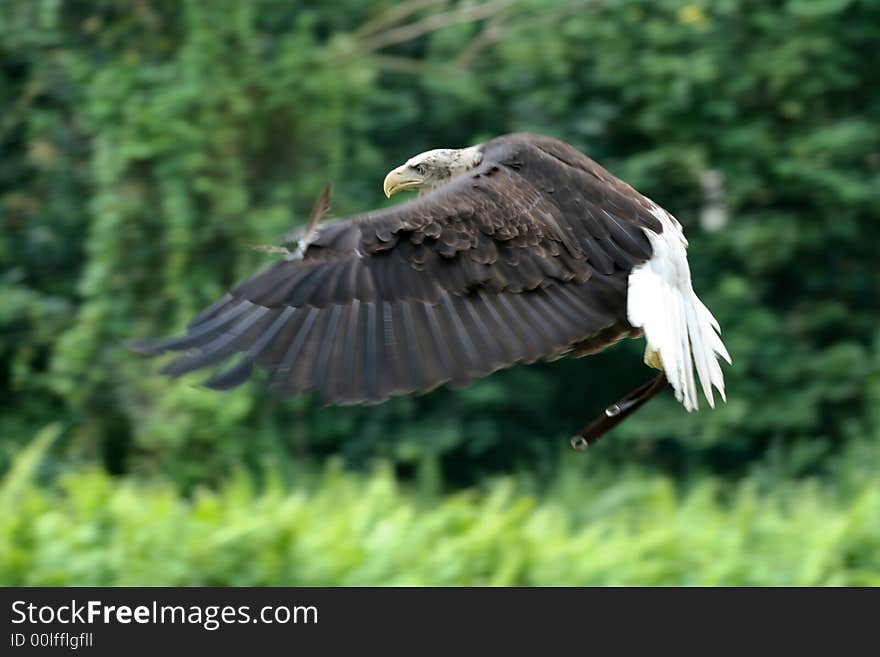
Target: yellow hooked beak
{"points": [[400, 179]]}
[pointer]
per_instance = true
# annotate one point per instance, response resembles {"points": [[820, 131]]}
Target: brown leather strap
{"points": [[616, 413]]}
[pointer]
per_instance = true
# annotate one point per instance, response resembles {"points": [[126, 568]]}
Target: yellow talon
{"points": [[652, 359]]}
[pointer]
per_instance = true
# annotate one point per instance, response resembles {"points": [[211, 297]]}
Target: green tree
{"points": [[147, 148]]}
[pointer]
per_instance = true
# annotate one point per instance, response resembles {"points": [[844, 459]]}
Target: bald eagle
{"points": [[517, 250]]}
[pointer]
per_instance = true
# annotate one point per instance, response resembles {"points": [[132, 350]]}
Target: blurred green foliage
{"points": [[354, 531], [145, 147]]}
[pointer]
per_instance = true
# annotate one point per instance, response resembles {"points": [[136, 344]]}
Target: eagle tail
{"points": [[677, 324]]}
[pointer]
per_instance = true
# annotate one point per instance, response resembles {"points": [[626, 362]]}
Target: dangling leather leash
{"points": [[616, 413]]}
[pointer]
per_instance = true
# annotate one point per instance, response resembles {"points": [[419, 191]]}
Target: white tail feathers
{"points": [[676, 323]]}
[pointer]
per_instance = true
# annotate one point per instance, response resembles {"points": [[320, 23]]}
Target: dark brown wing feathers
{"points": [[522, 259]]}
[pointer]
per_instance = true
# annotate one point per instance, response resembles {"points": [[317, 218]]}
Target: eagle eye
{"points": [[420, 168]]}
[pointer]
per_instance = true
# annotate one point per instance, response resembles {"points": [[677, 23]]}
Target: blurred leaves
{"points": [[340, 529], [146, 149]]}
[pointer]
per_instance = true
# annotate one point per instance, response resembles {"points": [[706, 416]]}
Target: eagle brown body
{"points": [[524, 257]]}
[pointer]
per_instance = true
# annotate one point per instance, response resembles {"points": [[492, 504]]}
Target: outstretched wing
{"points": [[516, 261]]}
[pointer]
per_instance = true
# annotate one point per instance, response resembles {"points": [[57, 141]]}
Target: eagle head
{"points": [[429, 170]]}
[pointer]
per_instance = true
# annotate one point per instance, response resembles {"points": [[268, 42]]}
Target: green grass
{"points": [[88, 528]]}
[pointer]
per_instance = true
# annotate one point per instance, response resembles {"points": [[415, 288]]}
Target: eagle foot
{"points": [[652, 358]]}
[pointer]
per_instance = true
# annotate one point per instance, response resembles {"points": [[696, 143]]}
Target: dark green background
{"points": [[146, 147]]}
